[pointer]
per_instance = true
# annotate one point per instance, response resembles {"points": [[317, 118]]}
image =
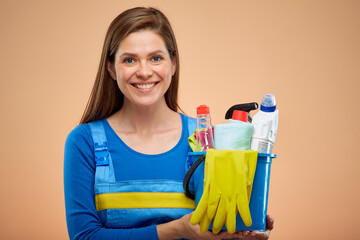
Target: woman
{"points": [[132, 143]]}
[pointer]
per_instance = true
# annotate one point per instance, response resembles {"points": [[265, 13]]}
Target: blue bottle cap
{"points": [[268, 103]]}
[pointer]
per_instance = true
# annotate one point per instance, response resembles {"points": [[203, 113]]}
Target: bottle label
{"points": [[262, 146]]}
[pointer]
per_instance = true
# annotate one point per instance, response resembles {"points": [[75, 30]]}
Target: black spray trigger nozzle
{"points": [[246, 107]]}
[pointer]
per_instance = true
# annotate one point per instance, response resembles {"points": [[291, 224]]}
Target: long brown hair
{"points": [[106, 97]]}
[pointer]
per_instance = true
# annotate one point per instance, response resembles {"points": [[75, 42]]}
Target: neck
{"points": [[143, 119]]}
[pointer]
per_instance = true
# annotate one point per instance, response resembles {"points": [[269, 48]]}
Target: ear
{"points": [[111, 70]]}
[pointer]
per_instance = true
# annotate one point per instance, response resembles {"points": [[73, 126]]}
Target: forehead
{"points": [[142, 41]]}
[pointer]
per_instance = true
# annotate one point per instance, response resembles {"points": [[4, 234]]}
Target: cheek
{"points": [[123, 75], [165, 71], [121, 78]]}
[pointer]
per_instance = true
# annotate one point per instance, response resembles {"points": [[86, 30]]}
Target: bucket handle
{"points": [[188, 193]]}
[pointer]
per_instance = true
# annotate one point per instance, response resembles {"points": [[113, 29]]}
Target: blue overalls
{"points": [[135, 203]]}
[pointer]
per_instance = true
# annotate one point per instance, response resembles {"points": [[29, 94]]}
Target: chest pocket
{"points": [[137, 203]]}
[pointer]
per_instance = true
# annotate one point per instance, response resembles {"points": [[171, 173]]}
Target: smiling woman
{"points": [[125, 163]]}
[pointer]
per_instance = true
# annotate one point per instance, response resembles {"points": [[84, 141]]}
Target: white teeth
{"points": [[144, 86]]}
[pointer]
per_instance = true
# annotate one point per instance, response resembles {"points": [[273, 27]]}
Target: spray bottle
{"points": [[237, 133], [265, 125], [234, 135]]}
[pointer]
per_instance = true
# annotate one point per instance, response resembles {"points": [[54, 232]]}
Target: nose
{"points": [[144, 71]]}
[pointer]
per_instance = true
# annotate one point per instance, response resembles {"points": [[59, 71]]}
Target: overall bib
{"points": [[134, 203]]}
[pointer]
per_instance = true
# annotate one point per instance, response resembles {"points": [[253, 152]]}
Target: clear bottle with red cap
{"points": [[204, 131]]}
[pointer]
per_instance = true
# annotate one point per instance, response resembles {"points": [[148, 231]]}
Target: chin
{"points": [[149, 102]]}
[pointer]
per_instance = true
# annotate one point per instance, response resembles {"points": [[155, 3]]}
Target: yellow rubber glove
{"points": [[200, 215], [227, 189], [244, 170]]}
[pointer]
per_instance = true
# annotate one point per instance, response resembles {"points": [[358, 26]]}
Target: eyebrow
{"points": [[134, 55]]}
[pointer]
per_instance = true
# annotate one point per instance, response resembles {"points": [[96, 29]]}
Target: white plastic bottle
{"points": [[265, 125]]}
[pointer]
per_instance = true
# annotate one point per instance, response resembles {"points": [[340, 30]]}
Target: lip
{"points": [[147, 90]]}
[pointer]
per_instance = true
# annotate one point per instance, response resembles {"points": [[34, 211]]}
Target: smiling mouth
{"points": [[144, 86]]}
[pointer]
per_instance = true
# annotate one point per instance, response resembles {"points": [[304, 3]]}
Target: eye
{"points": [[128, 60], [157, 58]]}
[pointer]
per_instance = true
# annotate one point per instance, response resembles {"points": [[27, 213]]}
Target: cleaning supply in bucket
{"points": [[204, 131], [228, 181], [198, 181], [245, 107], [265, 125], [235, 135]]}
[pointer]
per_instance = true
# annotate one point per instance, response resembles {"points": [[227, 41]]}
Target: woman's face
{"points": [[143, 68]]}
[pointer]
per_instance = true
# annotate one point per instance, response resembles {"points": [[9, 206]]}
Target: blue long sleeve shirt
{"points": [[79, 174]]}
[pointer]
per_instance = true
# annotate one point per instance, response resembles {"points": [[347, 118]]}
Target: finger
{"points": [[211, 236], [231, 216], [220, 216], [260, 235], [226, 235], [212, 206], [201, 207], [243, 207], [269, 222], [204, 224]]}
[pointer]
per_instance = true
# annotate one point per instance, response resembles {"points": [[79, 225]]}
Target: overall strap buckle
{"points": [[101, 154]]}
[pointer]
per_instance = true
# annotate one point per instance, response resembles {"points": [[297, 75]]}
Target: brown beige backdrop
{"points": [[306, 52]]}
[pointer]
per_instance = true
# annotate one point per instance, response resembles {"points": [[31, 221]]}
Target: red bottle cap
{"points": [[240, 115], [202, 109]]}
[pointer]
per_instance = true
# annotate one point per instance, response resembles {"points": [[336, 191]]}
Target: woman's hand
{"points": [[257, 235], [182, 228], [193, 231]]}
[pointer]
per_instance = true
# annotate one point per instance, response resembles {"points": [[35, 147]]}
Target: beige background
{"points": [[306, 52]]}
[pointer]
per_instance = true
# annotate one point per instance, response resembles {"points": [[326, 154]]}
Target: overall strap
{"points": [[191, 125], [191, 128], [104, 166], [190, 166]]}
